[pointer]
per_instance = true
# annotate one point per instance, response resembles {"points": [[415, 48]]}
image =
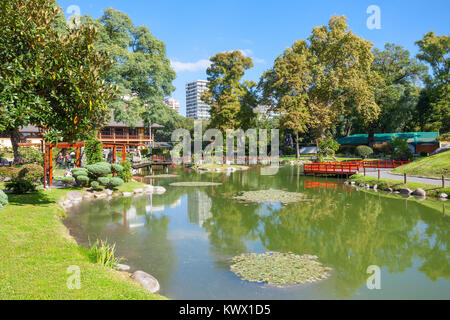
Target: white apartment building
{"points": [[195, 107], [173, 103]]}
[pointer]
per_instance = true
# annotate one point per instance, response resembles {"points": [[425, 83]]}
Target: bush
{"points": [[94, 151], [103, 254], [115, 182], [402, 151], [3, 199], [68, 180], [126, 173], [79, 172], [424, 154], [327, 148], [83, 181], [95, 185], [145, 152], [157, 151], [31, 155], [20, 186], [99, 169], [31, 172], [9, 172], [104, 181], [364, 151], [117, 168]]}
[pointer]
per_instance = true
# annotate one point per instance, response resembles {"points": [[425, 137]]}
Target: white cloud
{"points": [[190, 66]]}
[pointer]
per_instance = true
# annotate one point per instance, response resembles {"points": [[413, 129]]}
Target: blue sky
{"points": [[195, 30]]}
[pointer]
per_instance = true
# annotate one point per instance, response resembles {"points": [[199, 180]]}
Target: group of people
{"points": [[66, 160]]}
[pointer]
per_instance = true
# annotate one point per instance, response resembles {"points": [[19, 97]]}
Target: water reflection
{"points": [[193, 232]]}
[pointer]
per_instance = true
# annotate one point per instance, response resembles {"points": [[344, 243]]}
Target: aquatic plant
{"points": [[103, 253], [270, 196], [194, 184], [279, 269]]}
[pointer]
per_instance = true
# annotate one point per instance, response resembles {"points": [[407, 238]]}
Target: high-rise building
{"points": [[173, 103], [195, 107]]}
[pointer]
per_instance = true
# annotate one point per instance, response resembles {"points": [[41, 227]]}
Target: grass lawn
{"points": [[434, 166], [36, 250], [431, 190]]}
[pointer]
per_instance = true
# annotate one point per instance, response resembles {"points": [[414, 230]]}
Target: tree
{"points": [[397, 93], [48, 78], [434, 50], [285, 87], [231, 100], [142, 71], [323, 79]]}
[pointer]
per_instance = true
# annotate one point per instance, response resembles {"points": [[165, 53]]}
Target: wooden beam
{"points": [[50, 182]]}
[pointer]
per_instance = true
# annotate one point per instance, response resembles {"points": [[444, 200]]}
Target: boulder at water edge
{"points": [[419, 192], [74, 196], [405, 191], [148, 281]]}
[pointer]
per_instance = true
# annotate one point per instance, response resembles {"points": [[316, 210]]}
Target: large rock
{"points": [[159, 190], [74, 196], [419, 192], [138, 191], [443, 196], [405, 191], [108, 192], [123, 267], [100, 195], [388, 190], [148, 281], [127, 194]]}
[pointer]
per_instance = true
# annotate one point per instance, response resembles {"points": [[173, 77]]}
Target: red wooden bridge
{"points": [[349, 167]]}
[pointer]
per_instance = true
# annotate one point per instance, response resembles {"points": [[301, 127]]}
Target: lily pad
{"points": [[279, 269], [194, 184], [270, 196]]}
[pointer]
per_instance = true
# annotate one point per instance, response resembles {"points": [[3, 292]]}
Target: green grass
{"points": [[36, 250], [434, 166], [431, 190]]}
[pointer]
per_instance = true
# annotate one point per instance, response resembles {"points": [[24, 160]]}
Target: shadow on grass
{"points": [[38, 197]]}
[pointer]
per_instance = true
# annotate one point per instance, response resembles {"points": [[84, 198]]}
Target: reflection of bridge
{"points": [[350, 167], [154, 161]]}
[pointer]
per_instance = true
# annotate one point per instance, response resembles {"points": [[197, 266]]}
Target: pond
{"points": [[187, 237]]}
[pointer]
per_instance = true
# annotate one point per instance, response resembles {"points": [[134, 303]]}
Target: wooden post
{"points": [[114, 150], [124, 159], [78, 157], [443, 182], [364, 171], [404, 178], [45, 165], [378, 174], [50, 169]]}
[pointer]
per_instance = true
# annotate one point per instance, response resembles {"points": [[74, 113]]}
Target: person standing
{"points": [[68, 158]]}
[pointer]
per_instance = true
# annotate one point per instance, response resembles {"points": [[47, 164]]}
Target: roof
{"points": [[113, 123], [412, 137]]}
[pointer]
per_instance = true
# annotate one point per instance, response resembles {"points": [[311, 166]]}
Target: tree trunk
{"points": [[15, 140], [297, 147], [371, 138]]}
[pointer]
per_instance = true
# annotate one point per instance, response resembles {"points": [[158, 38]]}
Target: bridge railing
{"points": [[350, 166]]}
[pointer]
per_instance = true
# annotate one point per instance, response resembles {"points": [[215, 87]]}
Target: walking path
{"points": [[385, 174]]}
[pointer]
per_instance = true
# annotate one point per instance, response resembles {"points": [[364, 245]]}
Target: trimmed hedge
{"points": [[115, 182], [83, 181], [104, 181], [100, 169], [363, 151], [68, 180], [117, 168], [31, 172]]}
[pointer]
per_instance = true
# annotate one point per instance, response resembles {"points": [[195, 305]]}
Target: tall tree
{"points": [[397, 93], [434, 50], [49, 78], [323, 78], [285, 87], [142, 71], [231, 100]]}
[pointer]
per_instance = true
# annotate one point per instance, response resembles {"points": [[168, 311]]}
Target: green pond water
{"points": [[187, 237]]}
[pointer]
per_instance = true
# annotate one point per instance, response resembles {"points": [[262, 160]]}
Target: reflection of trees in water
{"points": [[356, 235]]}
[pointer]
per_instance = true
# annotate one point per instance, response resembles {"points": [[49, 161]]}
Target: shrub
{"points": [[31, 155], [99, 169], [3, 199], [94, 151], [364, 151], [95, 185], [424, 154], [402, 151], [157, 151], [117, 168], [327, 148], [83, 181], [115, 182], [126, 174], [20, 186], [145, 152], [79, 172], [68, 180], [31, 172], [104, 181], [9, 172]]}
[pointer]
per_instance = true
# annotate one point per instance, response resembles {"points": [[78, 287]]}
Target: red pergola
{"points": [[77, 146]]}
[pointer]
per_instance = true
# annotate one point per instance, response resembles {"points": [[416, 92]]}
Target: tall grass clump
{"points": [[103, 253]]}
